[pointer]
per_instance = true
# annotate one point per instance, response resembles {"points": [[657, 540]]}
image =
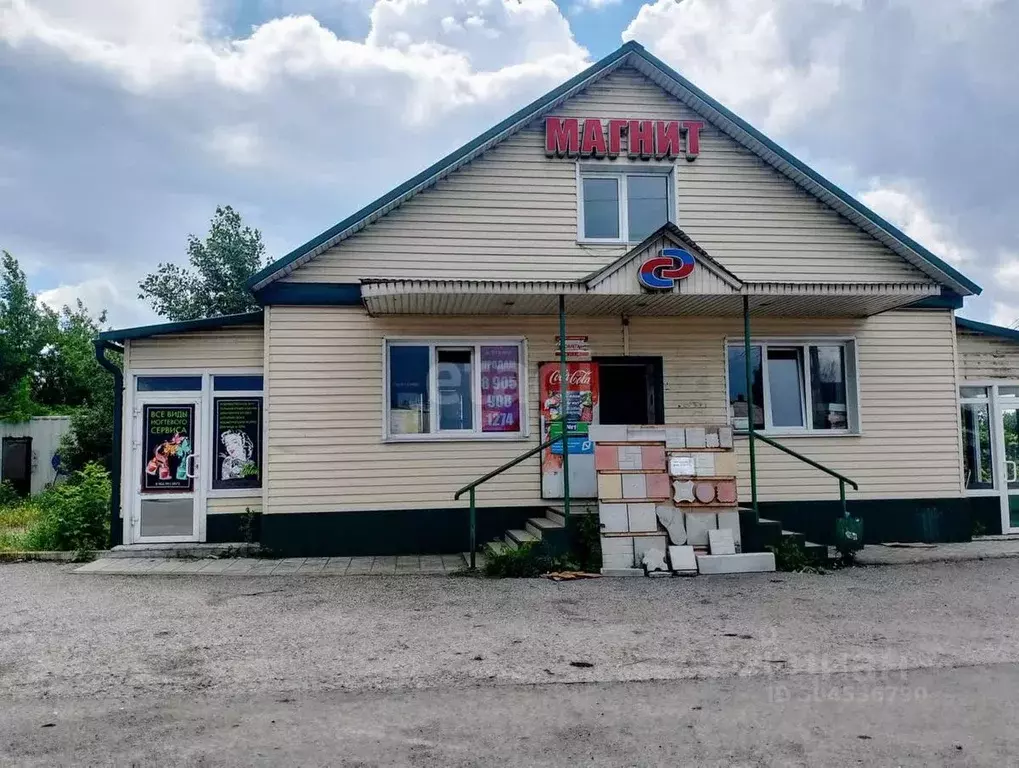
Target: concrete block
{"points": [[634, 486], [711, 439], [641, 545], [726, 464], [682, 465], [657, 485], [606, 457], [704, 464], [622, 572], [675, 437], [683, 559], [629, 456], [747, 562], [697, 526], [682, 490], [642, 517], [725, 437], [610, 486], [645, 434], [705, 492], [721, 542], [729, 520], [613, 518], [652, 457], [673, 521], [695, 437], [607, 433], [617, 552], [654, 560]]}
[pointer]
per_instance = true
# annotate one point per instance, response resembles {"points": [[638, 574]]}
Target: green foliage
{"points": [[792, 557], [588, 542], [527, 561], [8, 495], [75, 516], [90, 437], [220, 266]]}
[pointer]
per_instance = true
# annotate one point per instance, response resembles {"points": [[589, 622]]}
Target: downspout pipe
{"points": [[101, 347]]}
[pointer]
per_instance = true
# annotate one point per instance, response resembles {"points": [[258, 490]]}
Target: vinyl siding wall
{"points": [[221, 351], [986, 357], [512, 214], [325, 418]]}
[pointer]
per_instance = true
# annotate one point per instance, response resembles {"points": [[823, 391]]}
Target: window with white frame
{"points": [[624, 206], [797, 386], [455, 388], [977, 442]]}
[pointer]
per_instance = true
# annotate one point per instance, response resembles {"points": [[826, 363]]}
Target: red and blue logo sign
{"points": [[662, 272]]}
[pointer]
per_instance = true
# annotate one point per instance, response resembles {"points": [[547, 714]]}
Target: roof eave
{"points": [[986, 328], [183, 326]]}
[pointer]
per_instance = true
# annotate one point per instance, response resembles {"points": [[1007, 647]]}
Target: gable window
{"points": [[797, 387], [623, 206], [461, 388]]}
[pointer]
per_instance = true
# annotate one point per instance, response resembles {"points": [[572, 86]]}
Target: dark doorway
{"points": [[16, 467], [630, 390]]}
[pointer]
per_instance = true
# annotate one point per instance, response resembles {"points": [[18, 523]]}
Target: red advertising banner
{"points": [[500, 389]]}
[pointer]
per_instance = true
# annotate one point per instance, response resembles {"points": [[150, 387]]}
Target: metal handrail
{"points": [[470, 487], [841, 478]]}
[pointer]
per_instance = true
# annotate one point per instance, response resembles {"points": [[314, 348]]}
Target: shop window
{"points": [[796, 387], [237, 383], [168, 383], [623, 207], [476, 388], [237, 436], [977, 454]]}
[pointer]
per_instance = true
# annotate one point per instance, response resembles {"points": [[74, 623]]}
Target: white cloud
{"points": [[1006, 275], [235, 145], [593, 5], [906, 209], [1006, 315], [100, 294], [740, 52]]}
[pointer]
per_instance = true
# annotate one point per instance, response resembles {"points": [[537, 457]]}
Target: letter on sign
{"points": [[593, 143], [562, 136]]}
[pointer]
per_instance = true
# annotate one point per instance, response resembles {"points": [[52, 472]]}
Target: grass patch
{"points": [[17, 521]]}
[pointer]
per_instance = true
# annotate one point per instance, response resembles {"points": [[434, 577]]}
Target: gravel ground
{"points": [[73, 636]]}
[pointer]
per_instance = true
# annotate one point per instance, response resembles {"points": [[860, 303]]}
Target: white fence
{"points": [[45, 433]]}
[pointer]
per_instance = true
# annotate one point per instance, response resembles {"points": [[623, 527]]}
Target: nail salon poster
{"points": [[169, 430], [581, 412], [238, 422]]}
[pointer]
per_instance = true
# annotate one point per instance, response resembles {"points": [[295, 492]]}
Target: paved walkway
{"points": [[978, 549], [296, 566]]}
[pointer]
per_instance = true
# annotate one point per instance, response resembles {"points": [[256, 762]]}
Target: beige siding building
{"points": [[414, 347]]}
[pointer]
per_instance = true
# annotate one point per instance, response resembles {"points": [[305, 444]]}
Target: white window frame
{"points": [[852, 365], [990, 399], [601, 171], [474, 344]]}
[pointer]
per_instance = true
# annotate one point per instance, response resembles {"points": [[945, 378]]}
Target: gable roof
{"points": [[677, 236], [633, 54], [986, 328]]}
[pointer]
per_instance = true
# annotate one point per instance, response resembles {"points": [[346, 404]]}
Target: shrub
{"points": [[525, 562], [588, 542], [75, 515]]}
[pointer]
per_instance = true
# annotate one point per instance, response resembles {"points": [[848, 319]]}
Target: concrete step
{"points": [[496, 547], [555, 516], [538, 526], [192, 549], [514, 538]]}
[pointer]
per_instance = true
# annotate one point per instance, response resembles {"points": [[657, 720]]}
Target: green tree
{"points": [[23, 335], [220, 266]]}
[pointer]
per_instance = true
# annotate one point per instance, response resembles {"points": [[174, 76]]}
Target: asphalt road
{"points": [[912, 665]]}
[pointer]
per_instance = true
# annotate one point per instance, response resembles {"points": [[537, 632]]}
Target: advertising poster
{"points": [[238, 436], [581, 404], [168, 431], [500, 388]]}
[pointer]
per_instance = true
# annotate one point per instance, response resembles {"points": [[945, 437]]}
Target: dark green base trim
{"points": [[986, 513], [232, 528], [884, 520], [386, 532]]}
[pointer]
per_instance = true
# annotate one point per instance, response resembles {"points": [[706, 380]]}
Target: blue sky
{"points": [[127, 121]]}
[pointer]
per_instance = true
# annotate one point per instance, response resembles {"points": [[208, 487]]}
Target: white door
{"points": [[168, 495]]}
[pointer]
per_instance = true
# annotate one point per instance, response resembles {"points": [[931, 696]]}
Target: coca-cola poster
{"points": [[581, 399]]}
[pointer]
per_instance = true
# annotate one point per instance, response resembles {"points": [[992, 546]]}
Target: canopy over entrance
{"points": [[667, 274]]}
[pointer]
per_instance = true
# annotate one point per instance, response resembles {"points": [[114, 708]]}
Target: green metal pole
{"points": [[474, 540], [842, 497], [747, 350], [563, 389]]}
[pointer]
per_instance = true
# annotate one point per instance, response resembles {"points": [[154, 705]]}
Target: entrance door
{"points": [[1009, 420], [167, 502], [631, 390], [16, 464]]}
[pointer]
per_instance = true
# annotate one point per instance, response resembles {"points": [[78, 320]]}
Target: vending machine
{"points": [[581, 411]]}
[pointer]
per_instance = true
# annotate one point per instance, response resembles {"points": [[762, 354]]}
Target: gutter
{"points": [[101, 347]]}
